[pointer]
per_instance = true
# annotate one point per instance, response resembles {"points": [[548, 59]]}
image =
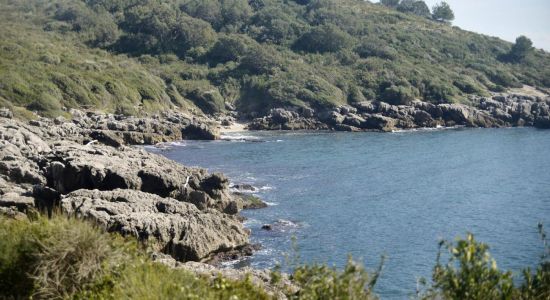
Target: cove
{"points": [[398, 194]]}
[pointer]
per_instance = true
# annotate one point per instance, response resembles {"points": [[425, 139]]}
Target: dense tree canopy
{"points": [[255, 54]]}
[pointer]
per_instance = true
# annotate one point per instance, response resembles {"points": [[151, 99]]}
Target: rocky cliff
{"points": [[85, 168]]}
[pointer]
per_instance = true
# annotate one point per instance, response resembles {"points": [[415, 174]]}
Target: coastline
{"points": [[85, 166]]}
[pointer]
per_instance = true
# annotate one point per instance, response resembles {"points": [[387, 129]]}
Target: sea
{"points": [[332, 195]]}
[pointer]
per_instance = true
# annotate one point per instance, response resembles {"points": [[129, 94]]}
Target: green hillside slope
{"points": [[131, 56]]}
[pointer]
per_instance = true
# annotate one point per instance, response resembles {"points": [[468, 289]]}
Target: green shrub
{"points": [[471, 273], [326, 38], [323, 282], [69, 258], [227, 48], [52, 258], [397, 95], [260, 60]]}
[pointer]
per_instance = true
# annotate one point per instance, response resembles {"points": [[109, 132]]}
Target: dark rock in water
{"points": [[173, 227], [281, 225], [235, 254], [249, 201], [245, 187]]}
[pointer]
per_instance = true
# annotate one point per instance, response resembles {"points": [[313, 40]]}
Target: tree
{"points": [[390, 3], [520, 49], [443, 12], [419, 8]]}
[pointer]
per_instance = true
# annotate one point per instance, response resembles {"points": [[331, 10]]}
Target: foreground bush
{"points": [[323, 282], [471, 273], [68, 258]]}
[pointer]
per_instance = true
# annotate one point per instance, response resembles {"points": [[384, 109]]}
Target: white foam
{"points": [[232, 263], [437, 128], [251, 222], [271, 203], [239, 137], [266, 188]]}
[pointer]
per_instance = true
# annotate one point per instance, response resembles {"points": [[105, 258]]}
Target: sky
{"points": [[506, 19]]}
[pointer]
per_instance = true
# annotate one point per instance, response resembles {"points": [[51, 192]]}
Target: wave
{"points": [[271, 203], [267, 188], [437, 128], [231, 264], [240, 138]]}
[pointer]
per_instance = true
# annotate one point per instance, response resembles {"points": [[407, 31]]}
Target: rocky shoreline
{"points": [[87, 168], [498, 110]]}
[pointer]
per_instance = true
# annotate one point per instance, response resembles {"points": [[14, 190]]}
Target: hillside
{"points": [[131, 56]]}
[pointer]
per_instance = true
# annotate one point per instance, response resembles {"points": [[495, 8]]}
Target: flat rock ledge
{"points": [[173, 227]]}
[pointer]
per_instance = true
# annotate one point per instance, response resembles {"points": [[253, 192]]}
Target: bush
{"points": [[69, 258], [471, 273], [372, 47], [397, 95], [326, 38], [260, 60], [228, 48], [323, 282], [52, 258]]}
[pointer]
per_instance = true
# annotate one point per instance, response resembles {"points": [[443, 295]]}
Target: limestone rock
{"points": [[173, 227], [70, 167]]}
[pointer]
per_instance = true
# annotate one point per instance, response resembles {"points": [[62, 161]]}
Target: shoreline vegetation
{"points": [[65, 257]]}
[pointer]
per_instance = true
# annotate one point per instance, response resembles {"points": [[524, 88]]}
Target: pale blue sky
{"points": [[506, 19]]}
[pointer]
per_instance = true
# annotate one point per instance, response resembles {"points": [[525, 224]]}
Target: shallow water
{"points": [[398, 194]]}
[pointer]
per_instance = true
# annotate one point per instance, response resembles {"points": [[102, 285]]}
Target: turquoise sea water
{"points": [[398, 194]]}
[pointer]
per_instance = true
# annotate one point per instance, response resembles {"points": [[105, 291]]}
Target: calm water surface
{"points": [[398, 194]]}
